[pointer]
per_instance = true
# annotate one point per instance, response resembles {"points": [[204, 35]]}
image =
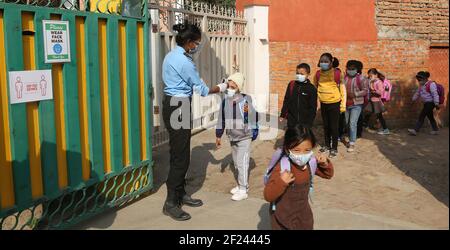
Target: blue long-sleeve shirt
{"points": [[427, 96], [180, 75]]}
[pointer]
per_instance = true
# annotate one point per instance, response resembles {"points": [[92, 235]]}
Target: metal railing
{"points": [[100, 6], [224, 53], [89, 148]]}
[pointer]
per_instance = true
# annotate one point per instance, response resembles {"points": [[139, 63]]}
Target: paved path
{"points": [[395, 182]]}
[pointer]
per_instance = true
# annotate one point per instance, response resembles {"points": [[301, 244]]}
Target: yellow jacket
{"points": [[328, 91]]}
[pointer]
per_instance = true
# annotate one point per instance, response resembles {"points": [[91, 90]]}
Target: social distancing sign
{"points": [[30, 86], [56, 41]]}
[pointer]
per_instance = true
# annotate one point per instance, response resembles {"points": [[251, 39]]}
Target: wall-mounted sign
{"points": [[56, 41], [30, 86]]}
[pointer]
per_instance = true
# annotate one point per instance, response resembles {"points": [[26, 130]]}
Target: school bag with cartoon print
{"points": [[285, 165]]}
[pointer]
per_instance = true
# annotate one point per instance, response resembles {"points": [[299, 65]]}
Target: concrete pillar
{"points": [[256, 13]]}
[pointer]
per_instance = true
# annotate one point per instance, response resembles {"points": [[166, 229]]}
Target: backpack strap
{"points": [[275, 159], [285, 164], [223, 112], [317, 77], [313, 166], [358, 82], [291, 88], [337, 76], [241, 109], [428, 86]]}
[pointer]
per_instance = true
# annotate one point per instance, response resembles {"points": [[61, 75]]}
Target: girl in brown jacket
{"points": [[288, 191]]}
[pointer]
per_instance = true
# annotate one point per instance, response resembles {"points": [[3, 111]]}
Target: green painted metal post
{"points": [[72, 115], [49, 161]]}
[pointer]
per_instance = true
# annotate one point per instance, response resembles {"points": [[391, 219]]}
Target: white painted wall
{"points": [[258, 69]]}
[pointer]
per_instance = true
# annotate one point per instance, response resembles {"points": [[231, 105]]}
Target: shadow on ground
{"points": [[201, 157], [264, 223], [423, 158]]}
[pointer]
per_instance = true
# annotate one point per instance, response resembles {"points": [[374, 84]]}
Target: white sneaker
{"points": [[412, 132], [234, 190], [434, 133], [240, 195], [351, 148], [384, 132]]}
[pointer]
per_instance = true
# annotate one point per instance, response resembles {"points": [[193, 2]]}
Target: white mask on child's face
{"points": [[300, 159], [301, 78], [231, 93]]}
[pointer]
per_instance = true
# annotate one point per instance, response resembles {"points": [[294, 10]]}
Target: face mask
{"points": [[301, 78], [325, 66], [194, 50], [300, 159], [352, 72], [231, 93]]}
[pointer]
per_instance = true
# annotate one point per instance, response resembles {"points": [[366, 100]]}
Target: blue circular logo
{"points": [[57, 48]]}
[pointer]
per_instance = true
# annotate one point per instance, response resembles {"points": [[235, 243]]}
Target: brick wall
{"points": [[438, 65], [406, 30], [413, 19], [399, 60]]}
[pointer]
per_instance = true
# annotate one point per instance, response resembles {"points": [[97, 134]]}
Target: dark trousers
{"points": [[379, 116], [342, 125], [427, 111], [330, 116], [382, 121], [180, 153]]}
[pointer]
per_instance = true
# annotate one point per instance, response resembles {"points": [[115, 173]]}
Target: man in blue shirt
{"points": [[181, 79]]}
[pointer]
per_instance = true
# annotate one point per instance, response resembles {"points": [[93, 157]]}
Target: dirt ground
{"points": [[397, 176]]}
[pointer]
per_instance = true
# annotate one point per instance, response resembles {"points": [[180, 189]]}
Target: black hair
{"points": [[352, 63], [304, 66], [423, 75], [296, 135], [374, 71], [186, 33], [359, 66], [334, 61]]}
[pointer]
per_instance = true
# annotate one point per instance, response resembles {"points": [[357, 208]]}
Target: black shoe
{"points": [[188, 201], [175, 212]]}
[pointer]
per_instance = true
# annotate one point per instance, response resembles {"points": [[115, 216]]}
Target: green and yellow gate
{"points": [[88, 149]]}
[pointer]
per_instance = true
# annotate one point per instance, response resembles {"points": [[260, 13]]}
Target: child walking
{"points": [[332, 96], [239, 119], [428, 94], [300, 100], [356, 98], [376, 105], [289, 180], [360, 67]]}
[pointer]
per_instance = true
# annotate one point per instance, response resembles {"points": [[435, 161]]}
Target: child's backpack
{"points": [[440, 90], [278, 156], [387, 89], [337, 77]]}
